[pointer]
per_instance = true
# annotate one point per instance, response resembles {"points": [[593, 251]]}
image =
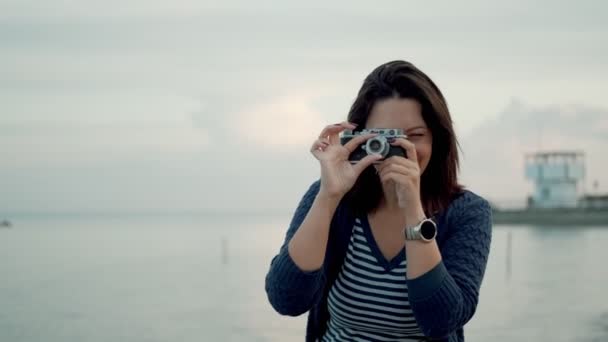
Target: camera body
{"points": [[380, 144]]}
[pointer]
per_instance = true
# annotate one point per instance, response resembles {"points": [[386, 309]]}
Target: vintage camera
{"points": [[380, 144]]}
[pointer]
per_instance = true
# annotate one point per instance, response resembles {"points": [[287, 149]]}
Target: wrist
{"points": [[329, 197], [414, 214]]}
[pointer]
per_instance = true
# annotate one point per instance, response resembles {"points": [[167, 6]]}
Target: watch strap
{"points": [[414, 232]]}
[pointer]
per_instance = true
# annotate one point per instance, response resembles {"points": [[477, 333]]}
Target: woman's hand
{"points": [[404, 173], [338, 175]]}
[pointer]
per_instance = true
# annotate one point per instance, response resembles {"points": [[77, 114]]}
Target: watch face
{"points": [[428, 230]]}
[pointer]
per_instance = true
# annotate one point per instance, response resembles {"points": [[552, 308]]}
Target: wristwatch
{"points": [[426, 231]]}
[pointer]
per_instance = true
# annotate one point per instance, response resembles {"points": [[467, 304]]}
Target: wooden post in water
{"points": [[509, 254]]}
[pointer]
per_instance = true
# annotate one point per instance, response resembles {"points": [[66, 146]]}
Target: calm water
{"points": [[168, 279]]}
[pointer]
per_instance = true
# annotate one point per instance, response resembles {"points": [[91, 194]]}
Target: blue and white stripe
{"points": [[369, 302]]}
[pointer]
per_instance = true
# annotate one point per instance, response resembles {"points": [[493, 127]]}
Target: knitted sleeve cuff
{"points": [[293, 277], [426, 285]]}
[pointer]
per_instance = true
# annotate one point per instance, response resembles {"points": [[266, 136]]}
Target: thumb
{"points": [[365, 162]]}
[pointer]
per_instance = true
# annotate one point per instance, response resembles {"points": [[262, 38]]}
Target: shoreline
{"points": [[553, 217]]}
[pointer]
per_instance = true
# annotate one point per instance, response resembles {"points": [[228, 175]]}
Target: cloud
{"points": [[493, 160], [125, 102], [563, 121], [66, 143], [281, 123]]}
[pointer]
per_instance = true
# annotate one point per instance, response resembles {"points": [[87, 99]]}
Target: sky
{"points": [[128, 106]]}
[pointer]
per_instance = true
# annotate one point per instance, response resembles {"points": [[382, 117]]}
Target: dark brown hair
{"points": [[438, 183]]}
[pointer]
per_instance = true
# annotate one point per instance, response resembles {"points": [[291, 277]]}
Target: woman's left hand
{"points": [[405, 173]]}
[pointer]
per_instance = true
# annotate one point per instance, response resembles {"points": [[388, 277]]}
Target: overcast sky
{"points": [[192, 105]]}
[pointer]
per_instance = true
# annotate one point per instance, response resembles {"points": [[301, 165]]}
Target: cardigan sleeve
{"points": [[445, 298], [290, 290]]}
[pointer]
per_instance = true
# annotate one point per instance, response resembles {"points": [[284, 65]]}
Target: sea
{"points": [[200, 277]]}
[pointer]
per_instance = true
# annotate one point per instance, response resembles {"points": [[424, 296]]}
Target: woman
{"points": [[386, 249]]}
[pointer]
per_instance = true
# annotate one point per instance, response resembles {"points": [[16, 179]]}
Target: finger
{"points": [[319, 144], [358, 140], [393, 176], [319, 150], [321, 140], [398, 168], [365, 162], [336, 128], [329, 130], [387, 162], [334, 139], [399, 160], [332, 132], [408, 146], [316, 150], [349, 125]]}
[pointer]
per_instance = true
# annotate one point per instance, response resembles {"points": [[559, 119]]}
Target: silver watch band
{"points": [[415, 232]]}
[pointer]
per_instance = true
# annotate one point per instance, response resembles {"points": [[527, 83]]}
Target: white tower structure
{"points": [[556, 176]]}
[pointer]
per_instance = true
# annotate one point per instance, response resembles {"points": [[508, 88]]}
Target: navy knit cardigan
{"points": [[442, 300]]}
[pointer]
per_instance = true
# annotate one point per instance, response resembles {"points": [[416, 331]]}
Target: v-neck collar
{"points": [[369, 236]]}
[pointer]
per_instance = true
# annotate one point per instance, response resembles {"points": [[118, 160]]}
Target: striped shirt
{"points": [[369, 299]]}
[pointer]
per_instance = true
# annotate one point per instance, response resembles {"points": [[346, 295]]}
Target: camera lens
{"points": [[375, 146]]}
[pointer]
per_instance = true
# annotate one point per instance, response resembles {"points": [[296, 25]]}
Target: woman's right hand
{"points": [[338, 175]]}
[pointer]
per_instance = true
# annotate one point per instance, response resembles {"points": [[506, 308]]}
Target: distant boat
{"points": [[5, 224], [556, 200]]}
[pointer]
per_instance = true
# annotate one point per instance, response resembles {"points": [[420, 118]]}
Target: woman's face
{"points": [[405, 114]]}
